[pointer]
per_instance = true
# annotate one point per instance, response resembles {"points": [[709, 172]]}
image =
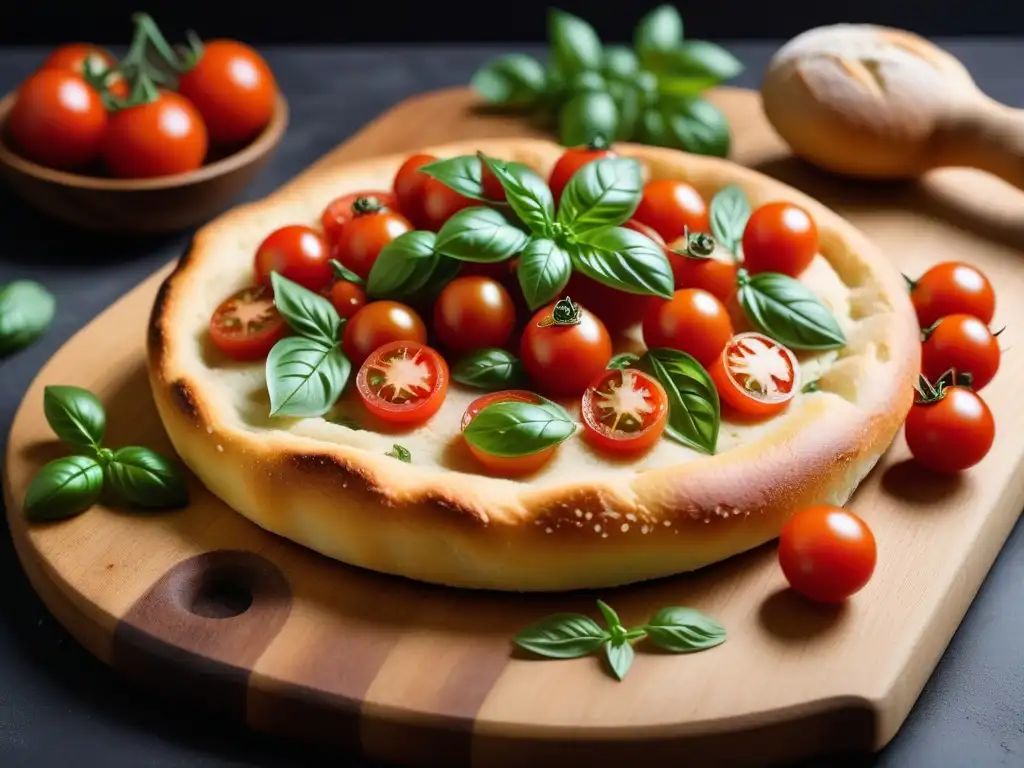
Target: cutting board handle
{"points": [[988, 136]]}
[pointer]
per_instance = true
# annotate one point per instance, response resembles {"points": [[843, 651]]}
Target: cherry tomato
{"points": [[403, 382], [672, 207], [692, 321], [441, 202], [779, 237], [952, 433], [755, 375], [624, 411], [366, 233], [571, 161], [472, 313], [508, 466], [964, 343], [617, 309], [58, 120], [410, 189], [643, 229], [715, 273], [233, 89], [952, 288], [347, 298], [380, 323], [339, 211], [564, 350], [827, 553], [162, 138], [76, 56], [247, 324], [296, 252]]}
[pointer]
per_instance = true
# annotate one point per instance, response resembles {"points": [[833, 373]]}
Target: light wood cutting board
{"points": [[204, 605]]}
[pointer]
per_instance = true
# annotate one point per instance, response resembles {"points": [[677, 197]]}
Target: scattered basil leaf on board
{"points": [[403, 266], [514, 79], [144, 478], [308, 313], [527, 194], [562, 636], [684, 630], [575, 45], [480, 235], [786, 310], [695, 125], [611, 618], [76, 416], [660, 29], [510, 429], [603, 193], [63, 488], [729, 212], [544, 270], [694, 415], [620, 657], [26, 311], [464, 174], [400, 452], [489, 369], [305, 376], [624, 259], [622, 361], [587, 115], [341, 272]]}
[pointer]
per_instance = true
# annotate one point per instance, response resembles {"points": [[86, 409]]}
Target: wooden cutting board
{"points": [[203, 604]]}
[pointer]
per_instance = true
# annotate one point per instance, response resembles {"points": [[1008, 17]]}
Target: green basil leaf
{"points": [[693, 58], [696, 126], [620, 657], [587, 81], [305, 377], [674, 86], [146, 479], [544, 270], [651, 128], [611, 618], [729, 212], [481, 235], [659, 29], [510, 429], [622, 361], [575, 45], [603, 193], [400, 452], [490, 369], [403, 266], [464, 174], [341, 272], [514, 80], [624, 259], [26, 311], [445, 270], [527, 194], [308, 313], [684, 630], [620, 62], [586, 116], [694, 414], [75, 415], [785, 309], [628, 101], [562, 636], [64, 488]]}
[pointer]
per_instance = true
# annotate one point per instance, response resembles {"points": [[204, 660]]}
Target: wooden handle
{"points": [[988, 136]]}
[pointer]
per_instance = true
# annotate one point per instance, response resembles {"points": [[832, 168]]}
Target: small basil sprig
{"points": [[510, 429], [786, 310], [574, 635], [26, 311], [729, 212], [490, 369], [70, 485], [694, 410]]}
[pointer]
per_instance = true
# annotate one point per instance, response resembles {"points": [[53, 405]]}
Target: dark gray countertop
{"points": [[59, 706]]}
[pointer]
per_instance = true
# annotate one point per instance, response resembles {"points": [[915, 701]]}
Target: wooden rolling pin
{"points": [[870, 101]]}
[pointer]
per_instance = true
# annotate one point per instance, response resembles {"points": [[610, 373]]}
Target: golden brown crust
{"points": [[469, 530]]}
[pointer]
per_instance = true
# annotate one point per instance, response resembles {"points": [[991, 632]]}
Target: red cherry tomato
{"points": [[247, 324], [162, 138], [473, 313], [564, 356], [964, 343], [339, 211], [366, 233], [951, 434], [74, 56], [347, 298], [233, 89], [952, 288], [58, 120], [672, 207], [571, 161], [715, 274], [624, 411], [643, 229], [827, 553], [380, 323], [693, 321], [755, 375], [441, 202], [410, 189], [779, 237], [617, 309], [507, 466], [296, 252], [403, 382]]}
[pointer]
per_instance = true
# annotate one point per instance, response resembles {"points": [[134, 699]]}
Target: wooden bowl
{"points": [[138, 206]]}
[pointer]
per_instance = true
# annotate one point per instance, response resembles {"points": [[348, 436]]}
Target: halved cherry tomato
{"points": [[409, 189], [247, 324], [692, 321], [339, 211], [366, 233], [779, 237], [403, 382], [715, 273], [161, 138], [827, 553], [472, 313], [964, 343], [564, 347], [952, 433], [624, 411], [671, 207], [952, 288], [572, 160], [347, 298], [755, 375], [380, 323], [507, 466], [296, 252]]}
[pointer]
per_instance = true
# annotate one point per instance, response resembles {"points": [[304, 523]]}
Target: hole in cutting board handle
{"points": [[222, 593]]}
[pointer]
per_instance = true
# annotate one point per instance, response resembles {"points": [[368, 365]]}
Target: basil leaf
{"points": [[64, 488], [729, 212], [489, 369], [611, 618], [659, 29], [26, 311], [670, 86], [627, 106], [575, 45], [684, 630], [622, 361], [562, 636], [305, 377], [464, 174], [620, 657], [480, 234], [403, 266], [145, 478], [624, 259], [693, 58], [603, 193], [620, 62], [75, 415], [514, 80], [445, 270], [696, 126], [652, 128], [527, 194], [511, 429], [341, 272], [587, 81], [785, 309], [400, 452], [544, 270], [585, 116], [308, 313], [694, 410]]}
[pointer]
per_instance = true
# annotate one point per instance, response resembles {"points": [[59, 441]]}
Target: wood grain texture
{"points": [[419, 674]]}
